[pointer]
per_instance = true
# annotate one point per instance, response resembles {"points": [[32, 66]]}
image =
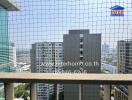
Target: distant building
{"points": [[11, 65], [124, 66], [7, 51], [12, 54], [81, 46], [23, 56], [45, 58], [5, 6], [113, 51], [109, 68], [105, 49], [24, 68], [125, 56]]}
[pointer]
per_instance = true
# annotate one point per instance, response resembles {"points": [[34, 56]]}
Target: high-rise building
{"points": [[46, 57], [12, 54], [81, 46], [5, 6], [125, 56], [124, 66], [105, 49], [11, 65]]}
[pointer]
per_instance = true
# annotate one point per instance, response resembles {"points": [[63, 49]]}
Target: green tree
{"points": [[22, 91]]}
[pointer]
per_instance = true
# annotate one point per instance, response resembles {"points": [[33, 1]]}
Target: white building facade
{"points": [[46, 58]]}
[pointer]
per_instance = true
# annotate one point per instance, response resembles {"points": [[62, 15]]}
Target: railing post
{"points": [[33, 94], [80, 92], [107, 92], [130, 92], [9, 91], [56, 91]]}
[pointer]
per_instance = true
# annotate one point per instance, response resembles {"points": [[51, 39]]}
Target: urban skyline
{"points": [[112, 28], [35, 34]]}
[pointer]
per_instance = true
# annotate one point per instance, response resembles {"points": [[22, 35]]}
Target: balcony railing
{"points": [[65, 78]]}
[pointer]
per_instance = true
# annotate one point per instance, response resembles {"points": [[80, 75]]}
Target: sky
{"points": [[48, 20]]}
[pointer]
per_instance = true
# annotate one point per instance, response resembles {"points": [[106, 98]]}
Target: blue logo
{"points": [[117, 11]]}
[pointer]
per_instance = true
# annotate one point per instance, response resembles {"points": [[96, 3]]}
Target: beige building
{"points": [[125, 56], [124, 66]]}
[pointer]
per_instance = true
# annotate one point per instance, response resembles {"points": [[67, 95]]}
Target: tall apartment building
{"points": [[5, 7], [11, 65], [124, 66], [45, 58], [125, 56], [81, 46]]}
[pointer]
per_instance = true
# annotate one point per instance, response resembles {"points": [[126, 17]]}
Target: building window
{"points": [[81, 35], [81, 52], [81, 46], [81, 40], [60, 44], [81, 55], [81, 58], [81, 49]]}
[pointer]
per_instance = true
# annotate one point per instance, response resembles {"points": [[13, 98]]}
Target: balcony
{"points": [[65, 78]]}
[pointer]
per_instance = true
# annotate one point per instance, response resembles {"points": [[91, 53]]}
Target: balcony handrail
{"points": [[66, 78]]}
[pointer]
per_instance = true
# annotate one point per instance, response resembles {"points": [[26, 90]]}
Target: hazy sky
{"points": [[48, 20]]}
